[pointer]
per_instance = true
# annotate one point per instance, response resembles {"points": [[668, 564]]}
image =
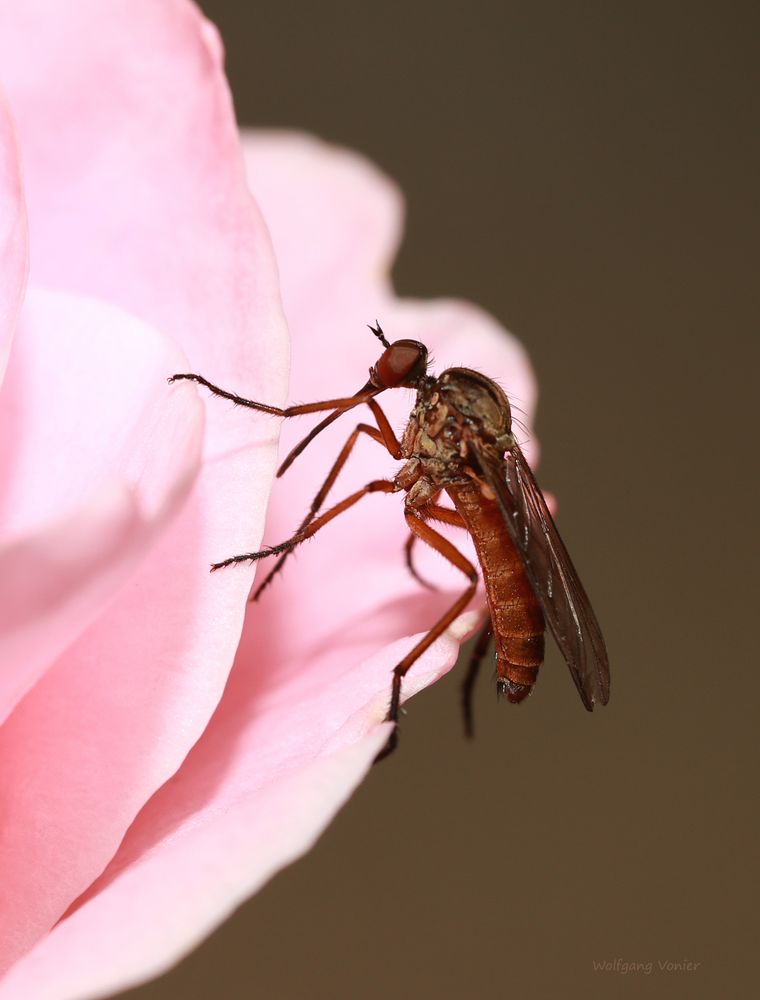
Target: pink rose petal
{"points": [[337, 239], [251, 797], [214, 866], [96, 454], [137, 195], [135, 183], [300, 720]]}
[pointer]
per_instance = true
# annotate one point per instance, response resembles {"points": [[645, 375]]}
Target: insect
{"points": [[459, 441]]}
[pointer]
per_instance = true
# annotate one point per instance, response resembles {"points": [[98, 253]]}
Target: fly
{"points": [[459, 441]]}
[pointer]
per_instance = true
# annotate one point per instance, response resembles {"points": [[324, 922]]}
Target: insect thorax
{"points": [[450, 411]]}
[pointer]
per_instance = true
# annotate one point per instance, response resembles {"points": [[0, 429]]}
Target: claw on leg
{"points": [[389, 747]]}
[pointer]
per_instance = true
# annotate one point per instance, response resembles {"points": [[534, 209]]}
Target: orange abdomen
{"points": [[518, 622]]}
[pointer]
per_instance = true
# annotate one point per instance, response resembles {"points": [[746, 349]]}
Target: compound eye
{"points": [[403, 363]]}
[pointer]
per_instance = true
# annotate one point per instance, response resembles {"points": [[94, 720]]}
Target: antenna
{"points": [[378, 332]]}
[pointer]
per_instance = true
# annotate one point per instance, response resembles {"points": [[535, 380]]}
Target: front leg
{"points": [[341, 404]]}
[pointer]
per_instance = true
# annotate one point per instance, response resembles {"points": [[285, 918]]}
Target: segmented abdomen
{"points": [[518, 622]]}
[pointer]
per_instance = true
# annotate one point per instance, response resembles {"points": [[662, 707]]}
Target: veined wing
{"points": [[550, 570]]}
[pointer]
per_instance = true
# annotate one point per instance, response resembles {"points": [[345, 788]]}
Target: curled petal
{"points": [[135, 184], [137, 196], [170, 897], [336, 240], [96, 455]]}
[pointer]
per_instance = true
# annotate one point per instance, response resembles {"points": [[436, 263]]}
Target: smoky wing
{"points": [[550, 570]]}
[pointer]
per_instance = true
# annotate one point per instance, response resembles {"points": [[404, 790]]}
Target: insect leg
{"points": [[435, 513], [416, 522], [377, 486], [468, 685], [343, 403], [389, 438], [384, 436]]}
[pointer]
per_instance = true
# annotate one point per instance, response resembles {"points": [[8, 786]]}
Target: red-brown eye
{"points": [[403, 363]]}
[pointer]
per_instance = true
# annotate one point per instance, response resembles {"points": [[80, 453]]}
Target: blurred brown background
{"points": [[588, 172]]}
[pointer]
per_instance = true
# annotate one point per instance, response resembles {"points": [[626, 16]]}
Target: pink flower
{"points": [[142, 799]]}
